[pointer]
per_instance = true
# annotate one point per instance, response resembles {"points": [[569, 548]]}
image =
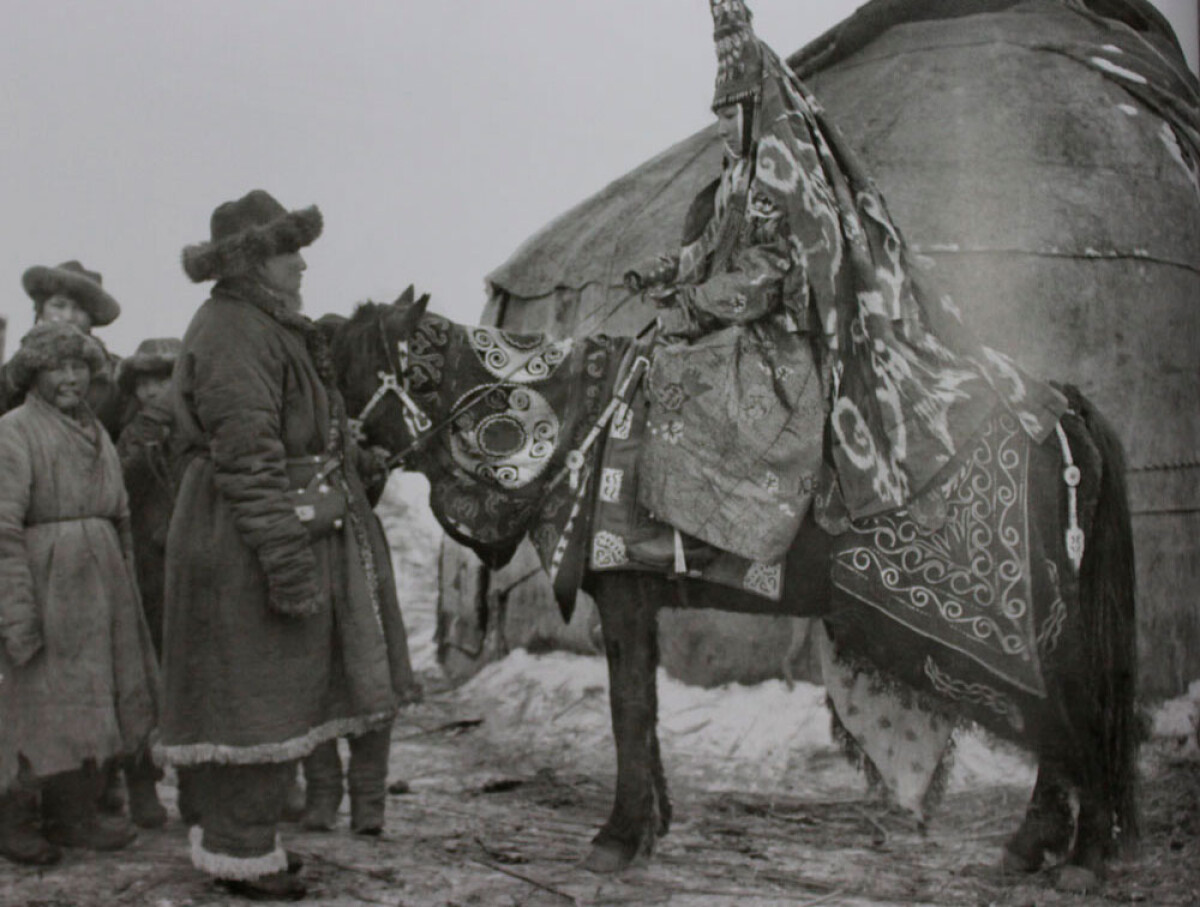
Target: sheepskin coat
{"points": [[67, 575], [274, 642]]}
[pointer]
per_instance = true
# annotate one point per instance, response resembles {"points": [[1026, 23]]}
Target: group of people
{"points": [[226, 539], [192, 570]]}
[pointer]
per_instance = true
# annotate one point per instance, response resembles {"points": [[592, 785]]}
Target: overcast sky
{"points": [[435, 135]]}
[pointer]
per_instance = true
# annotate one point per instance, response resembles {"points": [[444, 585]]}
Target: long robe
{"points": [[246, 683], [67, 572]]}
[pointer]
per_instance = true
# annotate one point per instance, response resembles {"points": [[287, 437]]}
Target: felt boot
{"points": [[368, 780], [323, 787], [111, 799], [141, 777], [71, 818], [295, 802], [20, 839]]}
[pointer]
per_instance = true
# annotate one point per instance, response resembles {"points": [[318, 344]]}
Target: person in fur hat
{"points": [[80, 678], [282, 630], [143, 380], [69, 293]]}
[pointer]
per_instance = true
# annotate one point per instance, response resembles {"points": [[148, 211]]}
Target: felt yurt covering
{"points": [[1043, 154]]}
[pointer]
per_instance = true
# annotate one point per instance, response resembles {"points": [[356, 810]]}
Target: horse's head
{"points": [[370, 352]]}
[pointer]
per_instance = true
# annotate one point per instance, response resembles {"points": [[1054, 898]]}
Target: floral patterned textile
{"points": [[625, 537]]}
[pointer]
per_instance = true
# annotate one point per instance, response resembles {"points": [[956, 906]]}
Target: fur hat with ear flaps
{"points": [[47, 345], [73, 280], [152, 357], [247, 232]]}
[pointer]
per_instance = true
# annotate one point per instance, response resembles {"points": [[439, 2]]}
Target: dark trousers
{"points": [[239, 810]]}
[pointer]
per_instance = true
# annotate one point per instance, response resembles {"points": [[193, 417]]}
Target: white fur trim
{"points": [[241, 869], [264, 753]]}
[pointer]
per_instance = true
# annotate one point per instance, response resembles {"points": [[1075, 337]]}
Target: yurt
{"points": [[1045, 156]]}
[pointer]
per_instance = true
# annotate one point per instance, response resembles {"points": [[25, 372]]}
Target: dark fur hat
{"points": [[73, 280], [152, 357], [48, 344], [247, 232]]}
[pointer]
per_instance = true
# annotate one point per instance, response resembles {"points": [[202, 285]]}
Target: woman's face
{"points": [[65, 385], [66, 310], [729, 127]]}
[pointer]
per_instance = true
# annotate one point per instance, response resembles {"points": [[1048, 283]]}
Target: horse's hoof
{"points": [[607, 857], [1077, 880], [1018, 864]]}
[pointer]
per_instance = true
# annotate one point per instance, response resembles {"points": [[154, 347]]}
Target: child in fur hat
{"points": [[81, 682]]}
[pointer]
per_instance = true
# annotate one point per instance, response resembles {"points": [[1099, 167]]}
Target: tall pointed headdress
{"points": [[739, 56]]}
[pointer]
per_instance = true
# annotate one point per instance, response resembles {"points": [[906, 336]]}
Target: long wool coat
{"points": [[246, 682], [66, 572]]}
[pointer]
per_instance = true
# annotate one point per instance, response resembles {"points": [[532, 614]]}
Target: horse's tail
{"points": [[1107, 595]]}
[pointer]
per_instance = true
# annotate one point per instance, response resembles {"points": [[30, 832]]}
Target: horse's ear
{"points": [[410, 310], [405, 298]]}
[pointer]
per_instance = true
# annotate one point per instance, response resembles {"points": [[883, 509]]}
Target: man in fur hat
{"points": [[71, 294], [282, 629]]}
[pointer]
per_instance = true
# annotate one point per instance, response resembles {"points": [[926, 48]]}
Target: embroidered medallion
{"points": [[518, 358], [511, 446]]}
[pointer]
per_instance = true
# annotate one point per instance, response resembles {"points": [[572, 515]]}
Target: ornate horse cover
{"points": [[958, 568], [522, 403]]}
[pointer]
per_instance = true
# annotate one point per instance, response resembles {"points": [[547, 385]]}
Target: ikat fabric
{"points": [[909, 383]]}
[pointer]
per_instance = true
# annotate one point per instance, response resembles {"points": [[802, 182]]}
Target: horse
{"points": [[400, 368]]}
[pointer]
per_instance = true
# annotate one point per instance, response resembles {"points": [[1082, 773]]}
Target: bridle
{"points": [[394, 380]]}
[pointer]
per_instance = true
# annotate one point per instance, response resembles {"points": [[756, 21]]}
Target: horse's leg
{"points": [[1048, 830], [628, 605]]}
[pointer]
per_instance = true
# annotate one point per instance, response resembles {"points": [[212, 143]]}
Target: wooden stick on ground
{"points": [[527, 880]]}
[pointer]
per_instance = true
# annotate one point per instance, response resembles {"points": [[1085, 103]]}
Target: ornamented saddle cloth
{"points": [[956, 567], [733, 447], [623, 535]]}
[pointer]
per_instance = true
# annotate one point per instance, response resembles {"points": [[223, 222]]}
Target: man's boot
{"points": [[111, 799], [141, 780], [294, 803], [70, 815], [368, 780], [20, 839], [323, 787], [278, 886]]}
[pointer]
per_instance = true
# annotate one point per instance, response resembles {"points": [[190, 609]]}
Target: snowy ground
{"points": [[510, 774]]}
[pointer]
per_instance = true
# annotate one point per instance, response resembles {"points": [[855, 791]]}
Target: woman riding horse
{"points": [[953, 492]]}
